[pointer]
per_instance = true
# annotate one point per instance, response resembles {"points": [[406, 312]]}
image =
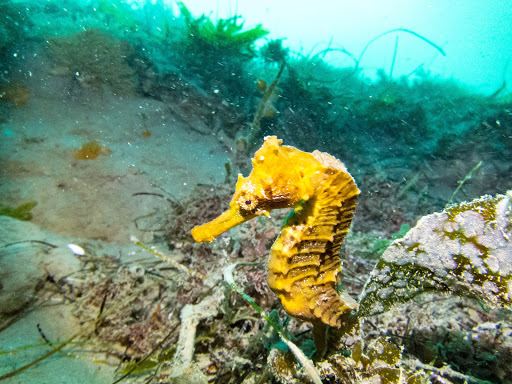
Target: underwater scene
{"points": [[253, 192]]}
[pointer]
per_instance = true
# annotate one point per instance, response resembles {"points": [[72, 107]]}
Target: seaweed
{"points": [[21, 212], [423, 38], [118, 12], [224, 38], [217, 52], [53, 351], [274, 53]]}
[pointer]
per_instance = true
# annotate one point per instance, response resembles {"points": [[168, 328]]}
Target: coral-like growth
{"points": [[464, 250], [95, 59], [379, 362]]}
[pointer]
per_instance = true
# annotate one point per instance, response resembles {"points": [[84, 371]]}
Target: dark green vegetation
{"points": [[21, 212], [14, 23], [218, 51]]}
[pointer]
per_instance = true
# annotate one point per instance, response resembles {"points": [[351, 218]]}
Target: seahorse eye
{"points": [[249, 205]]}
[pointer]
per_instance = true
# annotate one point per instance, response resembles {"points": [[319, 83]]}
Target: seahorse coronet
{"points": [[304, 262]]}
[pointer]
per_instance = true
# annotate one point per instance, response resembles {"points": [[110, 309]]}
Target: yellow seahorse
{"points": [[304, 261]]}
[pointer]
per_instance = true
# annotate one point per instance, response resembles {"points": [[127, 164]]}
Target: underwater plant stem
{"points": [[504, 83], [461, 182], [394, 57], [342, 50], [263, 105], [175, 264], [498, 91], [31, 241], [320, 330], [160, 345], [34, 362], [429, 42], [446, 371], [328, 47], [308, 365], [51, 344]]}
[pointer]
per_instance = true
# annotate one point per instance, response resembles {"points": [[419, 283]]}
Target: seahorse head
{"points": [[272, 184], [248, 202]]}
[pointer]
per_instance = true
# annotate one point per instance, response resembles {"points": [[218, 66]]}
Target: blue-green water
{"points": [[125, 124]]}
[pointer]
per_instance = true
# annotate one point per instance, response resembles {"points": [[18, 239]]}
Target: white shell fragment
{"points": [[76, 249]]}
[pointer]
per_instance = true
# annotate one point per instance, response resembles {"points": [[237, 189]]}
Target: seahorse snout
{"points": [[227, 220]]}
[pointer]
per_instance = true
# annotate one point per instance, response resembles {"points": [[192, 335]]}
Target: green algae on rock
{"points": [[21, 212], [464, 250]]}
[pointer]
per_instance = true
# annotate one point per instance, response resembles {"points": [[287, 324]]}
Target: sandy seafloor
{"points": [[83, 201]]}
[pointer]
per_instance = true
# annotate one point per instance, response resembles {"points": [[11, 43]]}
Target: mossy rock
{"points": [[464, 250]]}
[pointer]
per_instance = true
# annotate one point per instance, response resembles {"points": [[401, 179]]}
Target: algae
{"points": [[21, 212]]}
